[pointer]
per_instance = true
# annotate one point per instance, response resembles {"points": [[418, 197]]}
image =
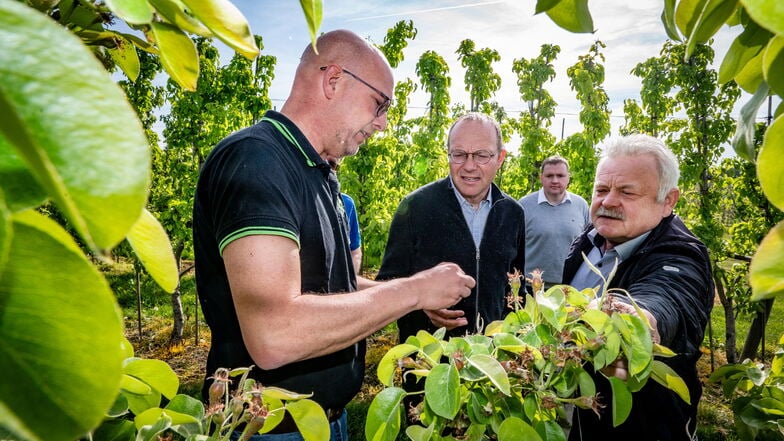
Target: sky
{"points": [[631, 30]]}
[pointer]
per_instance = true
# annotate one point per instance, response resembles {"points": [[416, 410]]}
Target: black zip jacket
{"points": [[429, 228], [670, 276]]}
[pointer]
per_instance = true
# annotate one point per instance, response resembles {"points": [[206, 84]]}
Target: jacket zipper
{"points": [[476, 304]]}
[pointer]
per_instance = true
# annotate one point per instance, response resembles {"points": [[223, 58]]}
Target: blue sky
{"points": [[632, 31]]}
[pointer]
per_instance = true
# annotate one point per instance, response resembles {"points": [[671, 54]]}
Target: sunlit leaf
{"points": [[621, 401], [133, 11], [773, 64], [313, 14], [187, 405], [178, 54], [388, 364], [766, 273], [383, 417], [768, 13], [667, 377], [156, 373], [49, 320], [442, 390], [544, 5], [745, 47], [310, 419], [282, 394], [227, 23], [276, 412], [770, 167], [124, 54], [151, 416], [151, 244], [515, 429], [6, 232], [668, 19], [743, 140], [134, 385], [494, 371], [708, 21], [750, 76], [150, 433], [572, 15], [21, 189], [64, 121], [174, 11]]}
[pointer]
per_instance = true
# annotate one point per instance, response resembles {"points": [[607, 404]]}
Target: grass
{"points": [[187, 358]]}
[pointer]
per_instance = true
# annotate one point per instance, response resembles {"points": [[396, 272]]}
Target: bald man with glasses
{"points": [[273, 265]]}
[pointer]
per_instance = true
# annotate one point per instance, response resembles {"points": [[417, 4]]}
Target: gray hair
{"points": [[480, 117], [639, 144]]}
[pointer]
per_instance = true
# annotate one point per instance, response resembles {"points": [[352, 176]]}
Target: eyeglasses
{"points": [[384, 106], [481, 157]]}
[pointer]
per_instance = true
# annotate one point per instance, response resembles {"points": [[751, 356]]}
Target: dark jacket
{"points": [[670, 276], [429, 228]]}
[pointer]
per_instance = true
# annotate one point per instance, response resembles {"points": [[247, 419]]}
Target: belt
{"points": [[287, 424]]}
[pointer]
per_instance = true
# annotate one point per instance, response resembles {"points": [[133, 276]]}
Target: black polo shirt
{"points": [[268, 179]]}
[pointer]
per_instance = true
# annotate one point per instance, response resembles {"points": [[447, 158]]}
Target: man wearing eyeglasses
{"points": [[466, 219], [273, 265]]}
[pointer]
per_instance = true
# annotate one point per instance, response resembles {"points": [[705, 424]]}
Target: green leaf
{"points": [[515, 429], [544, 5], [621, 400], [388, 364], [773, 64], [770, 167], [133, 11], [310, 419], [770, 406], [156, 373], [6, 232], [282, 394], [188, 405], [551, 308], [768, 13], [664, 375], [277, 411], [49, 320], [140, 403], [417, 433], [766, 273], [21, 189], [151, 416], [150, 433], [174, 11], [65, 120], [668, 20], [227, 23], [572, 15], [750, 76], [178, 54], [115, 430], [124, 54], [442, 390], [383, 417], [151, 244], [711, 17], [313, 14], [743, 140], [745, 47], [494, 371], [134, 386]]}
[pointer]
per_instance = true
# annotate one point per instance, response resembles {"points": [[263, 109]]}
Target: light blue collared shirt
{"points": [[605, 262], [476, 218]]}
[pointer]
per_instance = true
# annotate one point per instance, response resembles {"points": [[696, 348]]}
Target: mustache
{"points": [[607, 212]]}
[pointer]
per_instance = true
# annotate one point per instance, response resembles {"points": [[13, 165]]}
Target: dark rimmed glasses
{"points": [[384, 106], [481, 157]]}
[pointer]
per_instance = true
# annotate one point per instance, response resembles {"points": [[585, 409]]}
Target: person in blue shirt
{"points": [[354, 235]]}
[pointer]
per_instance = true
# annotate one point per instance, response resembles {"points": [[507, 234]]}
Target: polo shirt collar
{"points": [[296, 139]]}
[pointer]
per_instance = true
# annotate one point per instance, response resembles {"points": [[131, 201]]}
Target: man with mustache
{"points": [[273, 265], [662, 265]]}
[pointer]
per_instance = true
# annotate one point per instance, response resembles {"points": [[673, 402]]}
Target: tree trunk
{"points": [[137, 278], [730, 344], [757, 332], [178, 316]]}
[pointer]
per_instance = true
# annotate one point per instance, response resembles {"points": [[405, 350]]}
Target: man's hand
{"points": [[447, 318], [442, 286]]}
